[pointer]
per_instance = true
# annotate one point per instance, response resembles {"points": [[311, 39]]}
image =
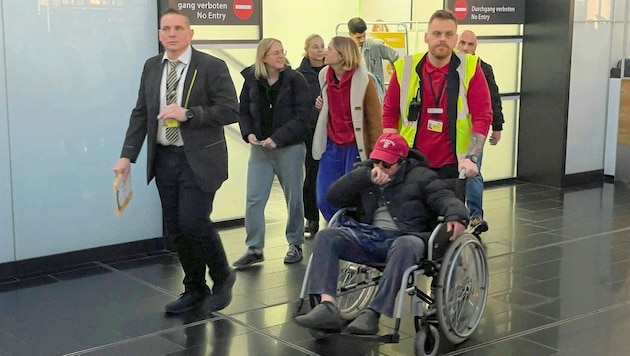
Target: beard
{"points": [[441, 52]]}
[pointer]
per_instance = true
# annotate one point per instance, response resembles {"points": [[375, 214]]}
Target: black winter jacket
{"points": [[291, 111], [495, 97], [415, 197], [312, 77]]}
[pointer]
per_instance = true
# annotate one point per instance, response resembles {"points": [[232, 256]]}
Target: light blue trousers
{"points": [[288, 164], [474, 192]]}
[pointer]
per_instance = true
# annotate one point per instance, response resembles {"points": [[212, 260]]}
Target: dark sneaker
{"points": [[249, 258], [187, 301], [478, 225], [221, 294], [294, 254], [365, 324], [324, 316]]}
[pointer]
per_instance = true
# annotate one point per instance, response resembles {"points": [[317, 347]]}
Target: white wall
{"points": [[588, 93]]}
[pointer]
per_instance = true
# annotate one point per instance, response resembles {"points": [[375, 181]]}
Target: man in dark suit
{"points": [[182, 115], [474, 188]]}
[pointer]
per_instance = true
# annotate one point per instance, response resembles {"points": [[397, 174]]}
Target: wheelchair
{"points": [[453, 306]]}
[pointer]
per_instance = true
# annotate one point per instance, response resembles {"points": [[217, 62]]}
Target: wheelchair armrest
{"points": [[338, 213], [438, 241]]}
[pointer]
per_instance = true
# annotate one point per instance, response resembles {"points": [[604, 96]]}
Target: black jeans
{"points": [[310, 178], [186, 211]]}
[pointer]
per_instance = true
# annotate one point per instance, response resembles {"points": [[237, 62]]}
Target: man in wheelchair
{"points": [[396, 200]]}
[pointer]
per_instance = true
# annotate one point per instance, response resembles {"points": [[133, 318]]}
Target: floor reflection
{"points": [[559, 263]]}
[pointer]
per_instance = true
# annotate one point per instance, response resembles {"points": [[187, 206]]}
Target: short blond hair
{"points": [[347, 48]]}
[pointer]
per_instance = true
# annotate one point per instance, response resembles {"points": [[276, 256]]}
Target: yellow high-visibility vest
{"points": [[409, 84]]}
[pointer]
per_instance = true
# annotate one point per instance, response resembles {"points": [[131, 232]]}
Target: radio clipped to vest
{"points": [[415, 108]]}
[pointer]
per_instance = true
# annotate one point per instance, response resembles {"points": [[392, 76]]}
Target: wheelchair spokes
{"points": [[356, 288], [461, 298]]}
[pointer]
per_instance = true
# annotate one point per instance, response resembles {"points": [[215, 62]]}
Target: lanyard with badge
{"points": [[434, 124]]}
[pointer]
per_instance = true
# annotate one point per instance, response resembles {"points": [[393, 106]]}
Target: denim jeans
{"points": [[335, 162], [474, 192], [287, 163], [333, 244]]}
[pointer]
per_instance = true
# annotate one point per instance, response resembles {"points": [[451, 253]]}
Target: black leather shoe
{"points": [[365, 324], [312, 227], [187, 301], [324, 316], [221, 294]]}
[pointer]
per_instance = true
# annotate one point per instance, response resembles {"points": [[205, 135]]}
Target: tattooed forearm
{"points": [[476, 144]]}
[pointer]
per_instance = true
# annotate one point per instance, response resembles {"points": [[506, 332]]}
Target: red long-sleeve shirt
{"points": [[437, 145]]}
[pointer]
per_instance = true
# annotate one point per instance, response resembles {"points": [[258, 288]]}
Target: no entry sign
{"points": [[243, 9], [487, 12]]}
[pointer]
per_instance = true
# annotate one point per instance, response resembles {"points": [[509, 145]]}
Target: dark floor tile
{"points": [[144, 346], [595, 332], [8, 280], [542, 271], [23, 284], [520, 298], [344, 345], [551, 288], [533, 241], [9, 341], [513, 347], [512, 232], [556, 257], [267, 317], [539, 205], [495, 249], [551, 194], [537, 256], [529, 188], [540, 215], [507, 281], [251, 343], [215, 331], [58, 337], [496, 326]]}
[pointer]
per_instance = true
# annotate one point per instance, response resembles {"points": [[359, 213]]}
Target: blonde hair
{"points": [[260, 70], [350, 56], [307, 42], [377, 27]]}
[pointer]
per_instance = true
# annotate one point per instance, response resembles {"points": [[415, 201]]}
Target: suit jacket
{"points": [[213, 100]]}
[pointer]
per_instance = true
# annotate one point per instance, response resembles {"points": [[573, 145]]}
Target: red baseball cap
{"points": [[390, 147]]}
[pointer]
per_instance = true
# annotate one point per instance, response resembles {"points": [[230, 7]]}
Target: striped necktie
{"points": [[172, 129]]}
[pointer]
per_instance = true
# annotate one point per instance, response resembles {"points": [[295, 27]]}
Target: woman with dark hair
{"points": [[274, 107], [350, 118], [311, 65]]}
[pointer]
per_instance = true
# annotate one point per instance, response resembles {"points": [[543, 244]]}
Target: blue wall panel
{"points": [[72, 79], [6, 214]]}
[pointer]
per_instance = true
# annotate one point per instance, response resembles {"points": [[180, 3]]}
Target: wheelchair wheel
{"points": [[462, 288], [426, 344], [351, 301]]}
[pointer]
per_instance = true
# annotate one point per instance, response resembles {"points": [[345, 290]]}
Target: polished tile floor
{"points": [[559, 285]]}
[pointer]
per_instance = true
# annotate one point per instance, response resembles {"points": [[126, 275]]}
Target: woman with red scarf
{"points": [[350, 118]]}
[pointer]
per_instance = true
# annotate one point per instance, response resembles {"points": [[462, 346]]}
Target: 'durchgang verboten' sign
{"points": [[222, 12], [482, 12]]}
